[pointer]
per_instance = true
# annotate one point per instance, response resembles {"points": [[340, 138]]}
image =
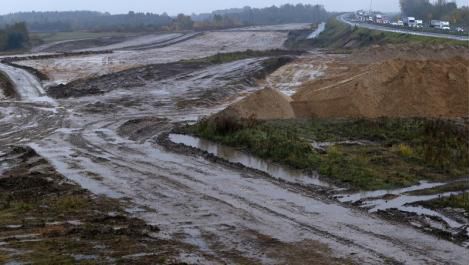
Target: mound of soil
{"points": [[393, 88], [131, 78], [6, 88], [143, 128], [265, 104]]}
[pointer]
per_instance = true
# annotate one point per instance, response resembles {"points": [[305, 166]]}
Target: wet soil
{"points": [[140, 76], [47, 219], [447, 224], [132, 78], [68, 46], [108, 143]]}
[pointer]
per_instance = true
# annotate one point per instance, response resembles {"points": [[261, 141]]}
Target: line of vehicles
{"points": [[409, 22]]}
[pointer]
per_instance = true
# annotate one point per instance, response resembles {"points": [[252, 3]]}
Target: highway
{"points": [[343, 18]]}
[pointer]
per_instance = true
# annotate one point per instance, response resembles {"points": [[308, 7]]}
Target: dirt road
{"points": [[107, 143]]}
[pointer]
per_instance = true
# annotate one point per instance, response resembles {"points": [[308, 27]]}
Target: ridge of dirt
{"points": [[134, 77], [139, 76], [6, 87], [72, 45], [264, 104]]}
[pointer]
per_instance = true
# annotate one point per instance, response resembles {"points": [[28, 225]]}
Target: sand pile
{"points": [[394, 88], [265, 104], [414, 51]]}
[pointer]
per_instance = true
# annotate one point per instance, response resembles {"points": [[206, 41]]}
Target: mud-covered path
{"points": [[107, 144]]}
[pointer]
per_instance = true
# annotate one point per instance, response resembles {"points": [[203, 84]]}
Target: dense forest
{"points": [[440, 9], [14, 37], [96, 21]]}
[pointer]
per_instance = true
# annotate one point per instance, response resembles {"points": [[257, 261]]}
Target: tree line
{"points": [[87, 20], [263, 16], [440, 10], [14, 37], [135, 21]]}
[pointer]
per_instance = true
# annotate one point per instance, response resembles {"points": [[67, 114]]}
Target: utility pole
{"points": [[371, 6]]}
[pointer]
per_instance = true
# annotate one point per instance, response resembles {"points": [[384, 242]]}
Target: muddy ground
{"points": [[207, 212], [47, 219]]}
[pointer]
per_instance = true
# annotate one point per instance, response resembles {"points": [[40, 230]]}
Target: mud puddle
{"points": [[318, 31], [76, 226], [235, 156], [381, 201], [406, 201]]}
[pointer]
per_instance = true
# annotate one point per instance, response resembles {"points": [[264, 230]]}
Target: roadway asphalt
{"points": [[343, 19]]}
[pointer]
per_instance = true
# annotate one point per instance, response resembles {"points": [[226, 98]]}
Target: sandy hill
{"points": [[414, 51], [264, 104], [394, 88]]}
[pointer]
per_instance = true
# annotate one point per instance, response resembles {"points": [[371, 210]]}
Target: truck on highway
{"points": [[439, 24], [410, 22], [419, 23]]}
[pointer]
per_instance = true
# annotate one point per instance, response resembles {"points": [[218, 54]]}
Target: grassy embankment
{"points": [[339, 35], [404, 151]]}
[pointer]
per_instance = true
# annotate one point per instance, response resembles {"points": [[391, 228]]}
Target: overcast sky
{"points": [[185, 6]]}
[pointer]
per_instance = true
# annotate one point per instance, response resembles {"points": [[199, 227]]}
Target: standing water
{"points": [[26, 85], [236, 156], [318, 31]]}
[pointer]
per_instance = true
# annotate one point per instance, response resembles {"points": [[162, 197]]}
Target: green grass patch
{"points": [[261, 139], [401, 153], [450, 187], [455, 201], [71, 203]]}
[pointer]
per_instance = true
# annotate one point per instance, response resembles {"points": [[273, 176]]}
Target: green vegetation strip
{"points": [[340, 35], [456, 201], [402, 152]]}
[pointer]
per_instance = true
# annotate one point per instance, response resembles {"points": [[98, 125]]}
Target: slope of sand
{"points": [[379, 81], [264, 104], [394, 88], [415, 51]]}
